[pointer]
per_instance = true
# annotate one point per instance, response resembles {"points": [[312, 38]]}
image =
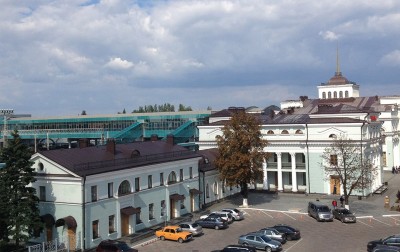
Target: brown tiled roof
{"points": [[210, 155], [96, 159]]}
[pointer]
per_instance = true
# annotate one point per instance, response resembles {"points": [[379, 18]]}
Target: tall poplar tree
{"points": [[19, 210], [241, 152]]}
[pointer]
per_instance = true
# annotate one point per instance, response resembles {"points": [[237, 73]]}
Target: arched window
{"points": [[299, 132], [346, 94], [124, 188], [323, 95], [215, 188], [335, 94], [340, 94], [223, 186], [270, 132], [329, 95], [41, 166], [172, 178], [284, 132], [207, 192], [332, 136]]}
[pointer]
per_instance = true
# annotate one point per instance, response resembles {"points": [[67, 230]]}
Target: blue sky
{"points": [[62, 57]]}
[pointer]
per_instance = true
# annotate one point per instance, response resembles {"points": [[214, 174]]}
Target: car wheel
{"points": [[342, 220], [216, 227], [284, 237], [289, 238], [180, 240], [162, 238], [245, 244], [268, 249]]}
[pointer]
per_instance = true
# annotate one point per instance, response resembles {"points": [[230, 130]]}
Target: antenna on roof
{"points": [[337, 59]]}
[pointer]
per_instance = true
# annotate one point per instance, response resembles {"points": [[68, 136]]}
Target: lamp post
{"points": [[5, 113]]}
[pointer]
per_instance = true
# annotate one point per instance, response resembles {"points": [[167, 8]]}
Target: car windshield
{"points": [[237, 211], [323, 209], [265, 238], [195, 225], [345, 211], [123, 247]]}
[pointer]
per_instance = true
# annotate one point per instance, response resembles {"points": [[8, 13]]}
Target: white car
{"points": [[236, 214], [223, 215]]}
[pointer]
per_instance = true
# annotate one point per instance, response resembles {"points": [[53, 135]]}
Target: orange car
{"points": [[174, 233]]}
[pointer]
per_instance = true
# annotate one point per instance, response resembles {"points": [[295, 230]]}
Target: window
{"points": [[42, 191], [270, 132], [284, 132], [161, 179], [346, 94], [290, 178], [303, 158], [275, 157], [150, 181], [137, 184], [181, 175], [329, 95], [111, 224], [207, 192], [151, 211], [110, 190], [215, 188], [190, 172], [95, 228], [171, 178], [323, 95], [94, 193], [163, 207], [41, 167], [182, 204], [333, 160], [138, 219], [334, 94], [299, 132], [124, 188], [340, 94], [223, 186]]}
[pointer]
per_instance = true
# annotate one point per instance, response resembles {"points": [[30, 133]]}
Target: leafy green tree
{"points": [[241, 152], [19, 210], [184, 108], [344, 159]]}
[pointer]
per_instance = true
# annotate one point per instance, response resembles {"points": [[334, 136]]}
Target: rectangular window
{"points": [[384, 158], [333, 160], [95, 228], [275, 158], [94, 193], [42, 191], [190, 172], [161, 179], [151, 211], [182, 204], [162, 208], [110, 190], [137, 184], [138, 219], [111, 224], [290, 178], [150, 181], [181, 175]]}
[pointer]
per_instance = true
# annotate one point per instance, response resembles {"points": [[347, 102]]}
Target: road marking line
{"points": [[293, 245], [289, 216], [364, 223], [395, 220], [267, 214], [382, 222]]}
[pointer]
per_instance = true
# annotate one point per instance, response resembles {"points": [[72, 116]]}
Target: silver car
{"points": [[273, 234], [260, 241], [194, 228], [320, 211], [236, 214]]}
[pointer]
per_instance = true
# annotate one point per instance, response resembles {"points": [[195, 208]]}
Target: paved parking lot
{"points": [[316, 236]]}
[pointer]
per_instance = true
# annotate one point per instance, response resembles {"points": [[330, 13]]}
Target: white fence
{"points": [[56, 245]]}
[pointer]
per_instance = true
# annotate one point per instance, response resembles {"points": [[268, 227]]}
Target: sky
{"points": [[60, 57]]}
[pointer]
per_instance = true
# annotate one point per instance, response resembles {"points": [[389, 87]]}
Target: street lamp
{"points": [[5, 113]]}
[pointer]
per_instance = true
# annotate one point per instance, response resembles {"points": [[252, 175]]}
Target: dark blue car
{"points": [[212, 222]]}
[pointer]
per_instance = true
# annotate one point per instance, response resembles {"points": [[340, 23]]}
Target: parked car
{"points": [[393, 240], [174, 233], [114, 246], [273, 234], [260, 241], [238, 248], [290, 233], [344, 215], [212, 222], [236, 214], [224, 215], [386, 248], [319, 211], [191, 227]]}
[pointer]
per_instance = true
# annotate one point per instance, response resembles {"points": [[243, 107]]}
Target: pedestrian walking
{"points": [[341, 200], [334, 204]]}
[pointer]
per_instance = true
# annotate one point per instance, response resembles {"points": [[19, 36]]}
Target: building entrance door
{"points": [[335, 185], [124, 224]]}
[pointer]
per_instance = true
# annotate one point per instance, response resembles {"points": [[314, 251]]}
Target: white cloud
{"points": [[329, 35], [118, 63], [391, 59]]}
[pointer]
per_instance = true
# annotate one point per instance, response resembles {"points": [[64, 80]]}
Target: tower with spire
{"points": [[338, 87]]}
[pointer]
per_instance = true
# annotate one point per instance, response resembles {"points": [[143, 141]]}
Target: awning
{"points": [[68, 221], [195, 191], [176, 196], [130, 210], [48, 219]]}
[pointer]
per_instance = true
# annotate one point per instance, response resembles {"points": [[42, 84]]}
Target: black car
{"points": [[393, 240], [114, 246], [212, 222], [238, 248], [291, 233], [386, 248], [344, 215]]}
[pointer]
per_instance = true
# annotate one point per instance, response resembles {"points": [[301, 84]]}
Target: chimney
{"points": [[170, 139], [111, 146]]}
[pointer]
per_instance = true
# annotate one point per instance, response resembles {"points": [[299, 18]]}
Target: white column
{"points": [[294, 177], [265, 178], [280, 186], [396, 152]]}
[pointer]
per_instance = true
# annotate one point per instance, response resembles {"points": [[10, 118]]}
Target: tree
{"points": [[19, 204], [241, 152], [344, 159]]}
